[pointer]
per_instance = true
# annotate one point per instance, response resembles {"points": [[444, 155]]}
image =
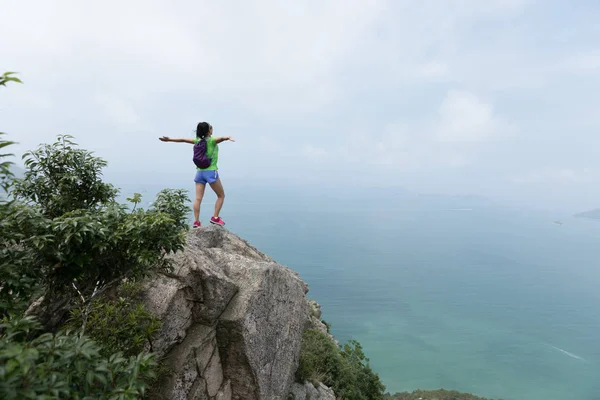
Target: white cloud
{"points": [[461, 124], [270, 57], [434, 70], [120, 112], [414, 87], [588, 62], [463, 117], [267, 55], [314, 152]]}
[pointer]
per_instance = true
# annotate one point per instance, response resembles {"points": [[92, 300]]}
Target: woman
{"points": [[208, 175]]}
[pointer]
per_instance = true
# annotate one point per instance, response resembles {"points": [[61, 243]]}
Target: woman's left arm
{"points": [[168, 139], [223, 139]]}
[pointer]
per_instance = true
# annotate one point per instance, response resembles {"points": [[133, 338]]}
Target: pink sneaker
{"points": [[217, 221], [197, 224]]}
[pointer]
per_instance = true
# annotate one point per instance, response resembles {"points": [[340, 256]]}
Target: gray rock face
{"points": [[232, 320], [297, 392], [309, 392], [314, 320], [315, 309], [325, 393]]}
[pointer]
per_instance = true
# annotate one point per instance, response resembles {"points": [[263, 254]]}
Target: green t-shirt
{"points": [[212, 151]]}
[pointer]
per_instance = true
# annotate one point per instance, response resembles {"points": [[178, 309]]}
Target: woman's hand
{"points": [[224, 139], [164, 139]]}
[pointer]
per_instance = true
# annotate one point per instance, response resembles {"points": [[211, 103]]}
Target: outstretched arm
{"points": [[223, 139], [168, 139]]}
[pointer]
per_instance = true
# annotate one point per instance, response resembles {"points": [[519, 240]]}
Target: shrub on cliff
{"points": [[346, 370], [75, 231], [65, 366], [117, 323], [63, 236], [320, 358]]}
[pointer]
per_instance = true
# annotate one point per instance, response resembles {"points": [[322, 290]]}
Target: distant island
{"points": [[592, 214]]}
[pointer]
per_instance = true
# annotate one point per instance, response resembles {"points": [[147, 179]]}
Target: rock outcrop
{"points": [[233, 321], [308, 391]]}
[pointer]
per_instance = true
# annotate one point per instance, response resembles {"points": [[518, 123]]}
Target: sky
{"points": [[497, 98]]}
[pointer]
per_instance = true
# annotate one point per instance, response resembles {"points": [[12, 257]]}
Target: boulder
{"points": [[297, 392], [308, 391], [232, 320]]}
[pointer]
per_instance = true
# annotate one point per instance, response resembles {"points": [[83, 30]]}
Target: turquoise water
{"points": [[454, 293]]}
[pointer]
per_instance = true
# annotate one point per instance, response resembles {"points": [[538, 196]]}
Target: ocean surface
{"points": [[453, 292]]}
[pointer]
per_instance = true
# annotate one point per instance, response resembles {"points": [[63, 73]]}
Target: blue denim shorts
{"points": [[205, 177]]}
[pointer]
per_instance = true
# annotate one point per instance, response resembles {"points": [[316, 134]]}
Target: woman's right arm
{"points": [[168, 139]]}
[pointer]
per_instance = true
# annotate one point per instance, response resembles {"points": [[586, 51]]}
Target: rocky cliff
{"points": [[233, 321]]}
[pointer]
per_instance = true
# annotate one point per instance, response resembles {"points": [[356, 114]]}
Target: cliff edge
{"points": [[232, 322]]}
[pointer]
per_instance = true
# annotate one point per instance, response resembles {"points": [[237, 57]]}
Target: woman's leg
{"points": [[199, 195], [217, 186]]}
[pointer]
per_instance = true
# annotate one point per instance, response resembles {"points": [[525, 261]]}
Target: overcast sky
{"points": [[499, 98]]}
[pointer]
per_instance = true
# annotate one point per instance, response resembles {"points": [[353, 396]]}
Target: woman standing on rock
{"points": [[206, 149]]}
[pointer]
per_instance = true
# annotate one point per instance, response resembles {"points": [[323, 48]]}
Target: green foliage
{"points": [[73, 230], [64, 365], [320, 358], [61, 227], [118, 324], [7, 77], [86, 246], [358, 381], [440, 394], [136, 199], [345, 370], [5, 173], [106, 245], [61, 178], [17, 279], [173, 202]]}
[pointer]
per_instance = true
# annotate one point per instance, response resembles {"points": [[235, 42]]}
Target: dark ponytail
{"points": [[202, 130]]}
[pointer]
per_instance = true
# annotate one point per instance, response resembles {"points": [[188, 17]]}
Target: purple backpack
{"points": [[200, 158]]}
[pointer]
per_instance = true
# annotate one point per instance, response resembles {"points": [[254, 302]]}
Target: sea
{"points": [[454, 292]]}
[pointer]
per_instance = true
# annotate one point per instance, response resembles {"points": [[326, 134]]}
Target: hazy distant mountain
{"points": [[593, 214]]}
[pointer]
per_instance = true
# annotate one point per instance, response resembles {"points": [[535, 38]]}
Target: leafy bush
{"points": [[60, 178], [118, 324], [172, 202], [320, 358], [345, 370], [17, 278], [18, 281], [358, 379], [60, 227], [5, 172], [65, 365], [71, 228]]}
